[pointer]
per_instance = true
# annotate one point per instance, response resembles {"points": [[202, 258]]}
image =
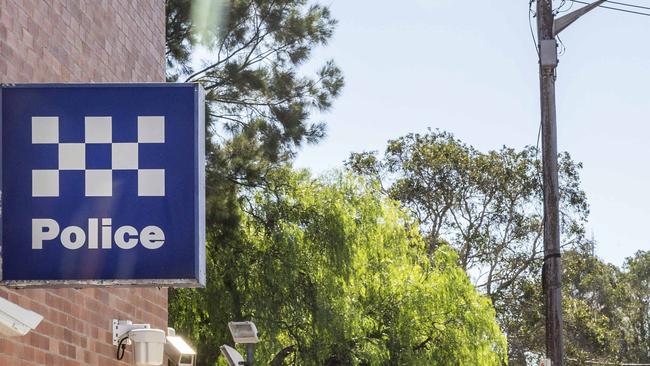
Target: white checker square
{"points": [[99, 130], [45, 130], [72, 156], [45, 183], [151, 182], [124, 156], [99, 183], [151, 129]]}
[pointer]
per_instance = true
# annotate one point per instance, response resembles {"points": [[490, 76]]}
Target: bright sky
{"points": [[470, 68]]}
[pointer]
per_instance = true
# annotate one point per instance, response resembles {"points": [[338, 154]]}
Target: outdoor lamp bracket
{"points": [[122, 327]]}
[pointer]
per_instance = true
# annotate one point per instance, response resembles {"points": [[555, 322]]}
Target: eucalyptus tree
{"points": [[606, 312], [486, 205]]}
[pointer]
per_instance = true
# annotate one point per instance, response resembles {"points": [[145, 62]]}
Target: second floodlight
{"points": [[243, 332], [233, 358]]}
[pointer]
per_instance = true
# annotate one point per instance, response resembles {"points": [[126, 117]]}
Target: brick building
{"points": [[81, 41]]}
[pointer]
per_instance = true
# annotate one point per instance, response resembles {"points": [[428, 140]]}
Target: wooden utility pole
{"points": [[547, 29], [552, 278]]}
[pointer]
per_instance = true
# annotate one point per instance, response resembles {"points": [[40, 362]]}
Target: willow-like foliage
{"points": [[333, 273]]}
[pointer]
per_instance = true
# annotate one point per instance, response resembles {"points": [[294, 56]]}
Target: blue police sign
{"points": [[102, 184]]}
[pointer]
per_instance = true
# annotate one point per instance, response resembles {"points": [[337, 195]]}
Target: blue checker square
{"points": [[98, 156], [70, 131], [102, 185], [47, 156], [70, 182]]}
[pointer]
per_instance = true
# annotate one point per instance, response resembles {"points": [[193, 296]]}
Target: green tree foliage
{"points": [[593, 293], [179, 38], [333, 273], [260, 100], [637, 308], [487, 206], [605, 311]]}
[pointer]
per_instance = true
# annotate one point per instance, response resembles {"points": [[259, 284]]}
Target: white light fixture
{"points": [[243, 332], [148, 344], [15, 320], [233, 357], [178, 351]]}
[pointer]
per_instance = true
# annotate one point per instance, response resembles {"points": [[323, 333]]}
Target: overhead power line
{"points": [[618, 9], [629, 5]]}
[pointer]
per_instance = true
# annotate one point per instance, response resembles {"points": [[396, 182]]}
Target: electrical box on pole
{"points": [[548, 53]]}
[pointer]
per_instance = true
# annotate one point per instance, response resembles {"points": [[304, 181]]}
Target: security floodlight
{"points": [[178, 351], [15, 320], [243, 332], [148, 344], [233, 357]]}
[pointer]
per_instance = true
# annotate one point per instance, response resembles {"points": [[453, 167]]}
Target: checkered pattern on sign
{"points": [[98, 131]]}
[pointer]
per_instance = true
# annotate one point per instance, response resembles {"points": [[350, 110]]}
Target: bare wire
{"points": [[562, 10], [531, 15], [562, 46]]}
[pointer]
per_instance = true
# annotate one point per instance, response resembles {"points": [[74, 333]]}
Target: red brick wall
{"points": [[81, 41]]}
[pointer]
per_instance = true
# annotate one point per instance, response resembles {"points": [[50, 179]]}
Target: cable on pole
{"points": [[531, 15]]}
